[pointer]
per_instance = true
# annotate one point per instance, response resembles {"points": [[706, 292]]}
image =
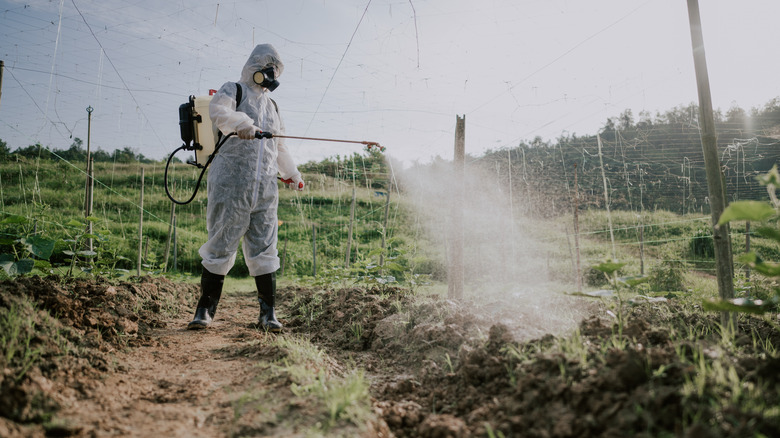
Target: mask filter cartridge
{"points": [[266, 78]]}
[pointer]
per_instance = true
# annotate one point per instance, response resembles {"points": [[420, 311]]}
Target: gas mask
{"points": [[266, 78]]}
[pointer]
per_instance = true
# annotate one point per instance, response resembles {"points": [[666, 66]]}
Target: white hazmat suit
{"points": [[242, 188]]}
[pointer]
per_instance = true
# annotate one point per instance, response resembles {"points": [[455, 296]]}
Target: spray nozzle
{"points": [[373, 144]]}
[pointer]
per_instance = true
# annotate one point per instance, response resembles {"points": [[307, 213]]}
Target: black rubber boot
{"points": [[266, 295], [211, 291]]}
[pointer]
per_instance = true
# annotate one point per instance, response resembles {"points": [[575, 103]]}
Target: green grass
{"points": [[51, 194], [17, 330], [336, 401]]}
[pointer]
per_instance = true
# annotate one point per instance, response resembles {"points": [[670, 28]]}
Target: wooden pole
{"points": [[578, 278], [314, 250], [606, 200], [455, 277], [715, 179], [349, 235], [141, 224]]}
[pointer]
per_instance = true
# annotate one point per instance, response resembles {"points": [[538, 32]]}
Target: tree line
{"points": [[655, 162], [75, 153]]}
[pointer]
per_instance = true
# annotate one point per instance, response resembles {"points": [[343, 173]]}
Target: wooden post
{"points": [[141, 224], [606, 200], [578, 278], [170, 233], [715, 179], [456, 275], [349, 235], [314, 250]]}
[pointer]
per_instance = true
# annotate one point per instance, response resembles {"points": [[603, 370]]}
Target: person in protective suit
{"points": [[242, 188]]}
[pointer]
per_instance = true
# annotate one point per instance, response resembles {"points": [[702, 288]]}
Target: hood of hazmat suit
{"points": [[242, 187]]}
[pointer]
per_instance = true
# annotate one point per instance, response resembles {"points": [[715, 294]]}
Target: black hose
{"points": [[202, 172]]}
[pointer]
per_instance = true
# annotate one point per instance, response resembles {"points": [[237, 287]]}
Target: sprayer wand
{"points": [[369, 144], [261, 134]]}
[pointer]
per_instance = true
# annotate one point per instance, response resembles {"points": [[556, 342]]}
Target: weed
{"points": [[448, 361], [575, 347], [343, 398], [346, 398], [357, 331], [491, 433], [17, 330]]}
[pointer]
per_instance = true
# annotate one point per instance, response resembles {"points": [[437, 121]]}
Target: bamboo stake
{"points": [[314, 249], [175, 246], [2, 67], [141, 224], [170, 233], [351, 223], [606, 200], [284, 256], [641, 248], [578, 278], [747, 248], [384, 229], [511, 213]]}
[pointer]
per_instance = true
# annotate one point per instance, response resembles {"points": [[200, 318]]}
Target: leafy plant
{"points": [[701, 244], [24, 244], [667, 276], [77, 242], [756, 211]]}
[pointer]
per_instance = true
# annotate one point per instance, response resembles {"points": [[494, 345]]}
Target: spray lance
{"points": [[202, 137]]}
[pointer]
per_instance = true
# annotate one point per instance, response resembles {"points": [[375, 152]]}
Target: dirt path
{"points": [[368, 362], [179, 384]]}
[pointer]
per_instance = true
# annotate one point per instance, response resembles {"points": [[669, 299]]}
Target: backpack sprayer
{"points": [[203, 137]]}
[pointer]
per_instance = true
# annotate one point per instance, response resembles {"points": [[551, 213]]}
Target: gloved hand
{"points": [[247, 131], [295, 182]]}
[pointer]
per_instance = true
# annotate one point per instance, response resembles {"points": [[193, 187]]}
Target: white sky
{"points": [[516, 69]]}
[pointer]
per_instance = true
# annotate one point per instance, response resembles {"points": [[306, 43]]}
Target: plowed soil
{"points": [[115, 360]]}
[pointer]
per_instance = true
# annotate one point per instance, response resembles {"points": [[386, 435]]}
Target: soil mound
{"points": [[443, 369], [57, 335]]}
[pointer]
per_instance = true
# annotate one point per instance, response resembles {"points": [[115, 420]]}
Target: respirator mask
{"points": [[266, 78]]}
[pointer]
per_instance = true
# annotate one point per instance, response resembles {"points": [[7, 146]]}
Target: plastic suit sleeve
{"points": [[222, 111], [284, 160]]}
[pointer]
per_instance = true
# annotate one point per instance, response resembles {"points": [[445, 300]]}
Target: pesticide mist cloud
{"points": [[511, 271]]}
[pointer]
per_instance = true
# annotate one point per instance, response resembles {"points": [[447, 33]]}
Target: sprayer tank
{"points": [[205, 131]]}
